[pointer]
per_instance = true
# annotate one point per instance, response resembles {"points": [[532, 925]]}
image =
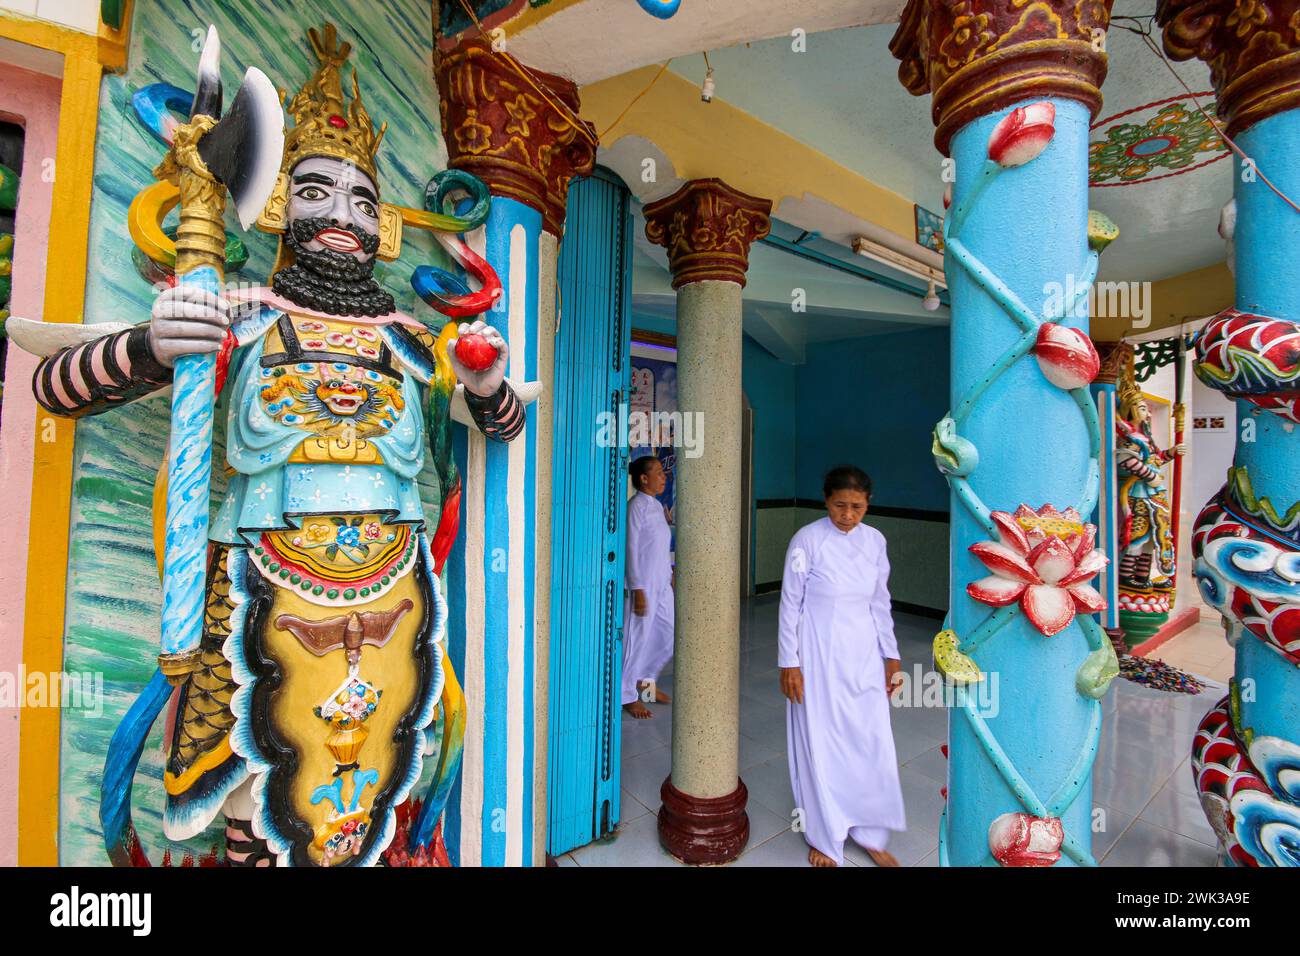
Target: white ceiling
{"points": [[835, 304], [842, 97]]}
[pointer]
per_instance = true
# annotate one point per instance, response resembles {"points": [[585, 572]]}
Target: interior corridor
{"points": [[1141, 779]]}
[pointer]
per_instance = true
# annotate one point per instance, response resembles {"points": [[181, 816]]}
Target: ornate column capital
{"points": [[1251, 46], [707, 228], [977, 56], [1113, 356], [508, 131]]}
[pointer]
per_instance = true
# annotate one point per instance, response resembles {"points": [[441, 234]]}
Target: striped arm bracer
{"points": [[500, 416], [98, 375]]}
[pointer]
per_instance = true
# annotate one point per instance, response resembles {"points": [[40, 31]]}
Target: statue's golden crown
{"points": [[1129, 393], [322, 126]]}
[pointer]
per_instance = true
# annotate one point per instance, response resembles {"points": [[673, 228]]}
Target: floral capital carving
{"points": [[1113, 356], [707, 228], [499, 127], [1252, 48], [978, 56]]}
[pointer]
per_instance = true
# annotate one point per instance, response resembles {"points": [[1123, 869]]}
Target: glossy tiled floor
{"points": [[1141, 779], [1200, 649]]}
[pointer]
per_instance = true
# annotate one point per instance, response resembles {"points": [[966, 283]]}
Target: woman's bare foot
{"points": [[882, 858], [819, 859], [638, 710], [662, 698]]}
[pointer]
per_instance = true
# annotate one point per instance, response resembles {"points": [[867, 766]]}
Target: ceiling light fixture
{"points": [[878, 252], [706, 91], [931, 300]]}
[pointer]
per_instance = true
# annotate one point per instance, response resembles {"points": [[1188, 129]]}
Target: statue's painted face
{"points": [[1143, 413], [340, 202]]}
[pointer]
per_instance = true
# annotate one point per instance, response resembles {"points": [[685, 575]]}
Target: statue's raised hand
{"points": [[187, 320], [483, 383]]}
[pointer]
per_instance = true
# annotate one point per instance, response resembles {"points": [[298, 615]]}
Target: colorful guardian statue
{"points": [[320, 684], [1146, 532]]}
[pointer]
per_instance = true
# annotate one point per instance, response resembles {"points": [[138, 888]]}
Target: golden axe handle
{"points": [[201, 234]]}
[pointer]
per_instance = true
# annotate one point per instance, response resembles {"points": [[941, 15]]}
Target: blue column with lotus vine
{"points": [[1026, 658]]}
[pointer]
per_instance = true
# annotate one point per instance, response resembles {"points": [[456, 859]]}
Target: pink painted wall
{"points": [[31, 100]]}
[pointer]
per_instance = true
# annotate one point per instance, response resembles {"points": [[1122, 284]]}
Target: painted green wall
{"points": [[113, 593]]}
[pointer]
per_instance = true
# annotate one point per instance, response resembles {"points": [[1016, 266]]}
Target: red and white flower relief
{"points": [[1022, 839], [1067, 356], [1044, 559], [1022, 134]]}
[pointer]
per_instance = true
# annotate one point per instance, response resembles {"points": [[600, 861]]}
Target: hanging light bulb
{"points": [[706, 91], [931, 300]]}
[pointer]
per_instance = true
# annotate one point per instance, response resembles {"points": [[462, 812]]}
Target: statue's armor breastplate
{"points": [[322, 421], [334, 379]]}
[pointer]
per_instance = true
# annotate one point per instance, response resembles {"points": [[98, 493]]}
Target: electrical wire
{"points": [[618, 119], [1143, 30], [563, 110]]}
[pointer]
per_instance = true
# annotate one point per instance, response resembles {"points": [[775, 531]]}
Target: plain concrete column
{"points": [[707, 228]]}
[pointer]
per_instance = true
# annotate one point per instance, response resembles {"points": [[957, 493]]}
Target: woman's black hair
{"points": [[640, 468], [846, 478]]}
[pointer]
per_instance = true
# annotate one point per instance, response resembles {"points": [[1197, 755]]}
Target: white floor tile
{"points": [[909, 847], [644, 775], [1149, 813], [1145, 844], [1180, 812], [633, 844]]}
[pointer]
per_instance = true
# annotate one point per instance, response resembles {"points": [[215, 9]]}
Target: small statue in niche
{"points": [[1148, 562]]}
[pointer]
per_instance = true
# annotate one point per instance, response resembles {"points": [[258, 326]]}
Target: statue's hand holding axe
{"points": [[211, 156]]}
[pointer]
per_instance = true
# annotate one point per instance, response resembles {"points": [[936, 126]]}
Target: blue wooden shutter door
{"points": [[588, 511]]}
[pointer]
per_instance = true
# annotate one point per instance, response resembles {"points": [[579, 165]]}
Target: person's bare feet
{"points": [[819, 859], [882, 858], [638, 710], [662, 698]]}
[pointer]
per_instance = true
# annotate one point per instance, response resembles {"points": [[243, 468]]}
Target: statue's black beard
{"points": [[329, 281]]}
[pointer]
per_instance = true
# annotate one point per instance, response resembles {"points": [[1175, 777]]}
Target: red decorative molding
{"points": [[703, 830], [499, 127], [1113, 355], [1251, 46], [979, 56], [707, 228]]}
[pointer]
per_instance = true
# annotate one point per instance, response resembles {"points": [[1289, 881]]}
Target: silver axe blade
{"points": [[244, 150]]}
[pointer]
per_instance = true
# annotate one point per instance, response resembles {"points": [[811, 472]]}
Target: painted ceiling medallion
{"points": [[1154, 141]]}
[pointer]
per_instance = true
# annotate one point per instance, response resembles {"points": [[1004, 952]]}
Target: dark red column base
{"points": [[1116, 635], [703, 830]]}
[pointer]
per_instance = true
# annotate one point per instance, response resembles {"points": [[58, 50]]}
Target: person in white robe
{"points": [[839, 663], [648, 611]]}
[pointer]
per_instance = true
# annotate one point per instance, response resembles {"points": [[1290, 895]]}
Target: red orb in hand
{"points": [[475, 352]]}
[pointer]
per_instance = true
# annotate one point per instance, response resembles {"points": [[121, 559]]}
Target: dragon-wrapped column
{"points": [[1246, 542]]}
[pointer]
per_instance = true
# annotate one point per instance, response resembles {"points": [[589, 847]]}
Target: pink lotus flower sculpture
{"points": [[1067, 356], [1044, 559], [1022, 134]]}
